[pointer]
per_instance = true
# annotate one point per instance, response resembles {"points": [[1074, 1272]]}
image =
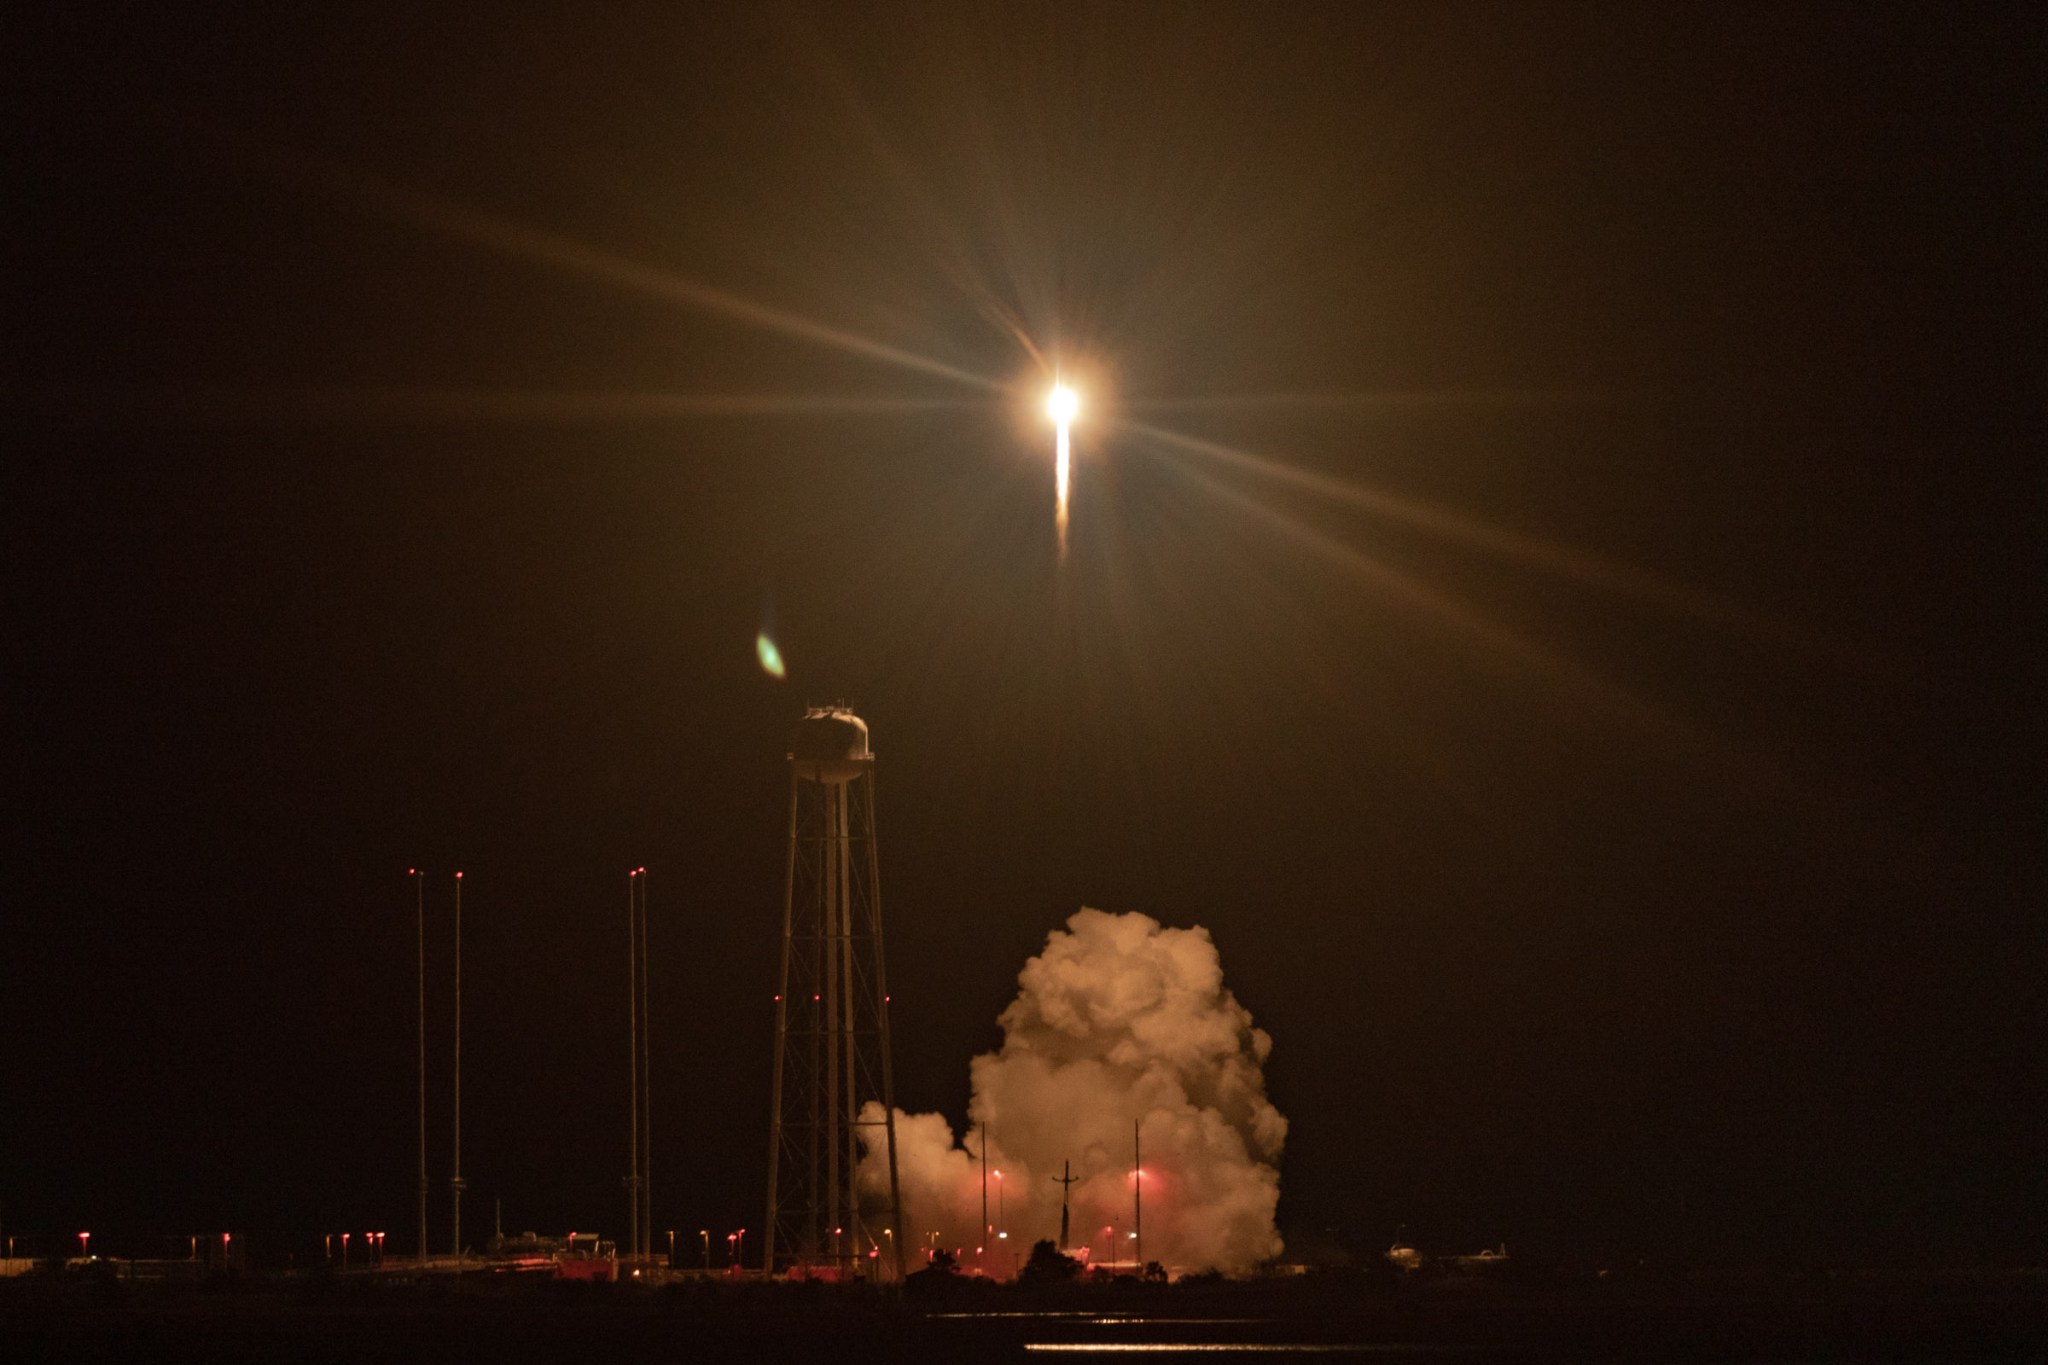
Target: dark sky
{"points": [[1554, 590]]}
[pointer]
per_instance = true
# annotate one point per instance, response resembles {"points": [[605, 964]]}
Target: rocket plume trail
{"points": [[1063, 466], [1122, 1029], [1061, 405]]}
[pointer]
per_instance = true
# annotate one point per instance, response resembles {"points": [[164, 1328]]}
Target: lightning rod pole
{"points": [[455, 1180], [633, 1064], [419, 887]]}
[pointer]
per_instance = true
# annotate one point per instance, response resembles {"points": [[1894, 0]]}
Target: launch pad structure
{"points": [[831, 1021]]}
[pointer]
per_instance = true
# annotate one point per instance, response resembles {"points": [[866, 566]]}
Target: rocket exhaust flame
{"points": [[1122, 1029], [1061, 405], [1063, 464]]}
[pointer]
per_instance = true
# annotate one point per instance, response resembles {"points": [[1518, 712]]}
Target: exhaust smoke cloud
{"points": [[1118, 1023]]}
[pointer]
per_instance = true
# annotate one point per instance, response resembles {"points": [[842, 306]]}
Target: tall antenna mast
{"points": [[633, 1062], [1138, 1195], [1066, 1177], [455, 1183], [419, 888], [646, 1088]]}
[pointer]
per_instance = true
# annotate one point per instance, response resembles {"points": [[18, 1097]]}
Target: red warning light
{"points": [[458, 876]]}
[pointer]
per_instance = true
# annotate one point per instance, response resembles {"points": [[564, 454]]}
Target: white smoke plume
{"points": [[1122, 1028]]}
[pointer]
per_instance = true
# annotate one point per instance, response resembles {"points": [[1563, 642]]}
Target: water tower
{"points": [[831, 1019]]}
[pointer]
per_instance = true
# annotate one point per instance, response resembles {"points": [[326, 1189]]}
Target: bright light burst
{"points": [[771, 657]]}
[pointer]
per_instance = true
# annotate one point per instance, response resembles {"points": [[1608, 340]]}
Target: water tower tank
{"points": [[831, 745]]}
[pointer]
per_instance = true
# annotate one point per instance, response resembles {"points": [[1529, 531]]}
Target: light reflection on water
{"points": [[1094, 1318], [1113, 1319], [1143, 1322], [1099, 1319], [1301, 1347]]}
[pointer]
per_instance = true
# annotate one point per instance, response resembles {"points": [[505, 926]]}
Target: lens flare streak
{"points": [[455, 220], [1577, 565], [231, 406]]}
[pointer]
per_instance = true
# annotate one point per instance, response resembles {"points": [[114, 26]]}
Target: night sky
{"points": [[1554, 589]]}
